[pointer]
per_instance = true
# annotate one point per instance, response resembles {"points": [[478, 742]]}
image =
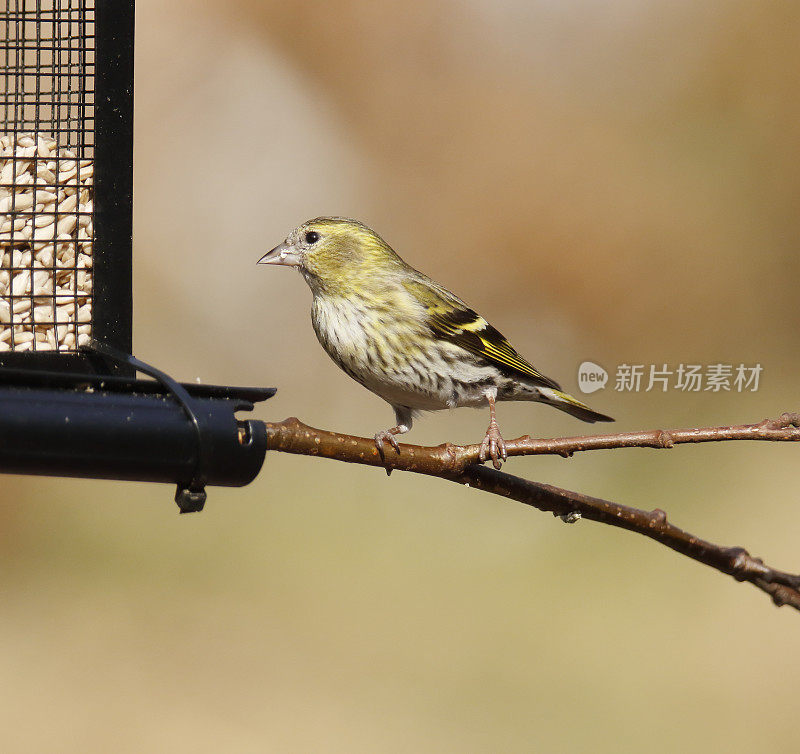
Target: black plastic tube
{"points": [[129, 430]]}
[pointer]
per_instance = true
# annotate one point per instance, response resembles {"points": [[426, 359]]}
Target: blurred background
{"points": [[614, 182]]}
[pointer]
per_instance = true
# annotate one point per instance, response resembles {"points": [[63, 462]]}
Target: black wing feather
{"points": [[467, 329]]}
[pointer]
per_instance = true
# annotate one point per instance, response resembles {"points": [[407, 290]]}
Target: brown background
{"points": [[607, 181]]}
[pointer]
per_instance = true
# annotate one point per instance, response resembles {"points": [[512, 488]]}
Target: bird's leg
{"points": [[493, 442], [404, 420]]}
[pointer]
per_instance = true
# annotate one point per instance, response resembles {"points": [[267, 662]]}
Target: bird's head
{"points": [[334, 253]]}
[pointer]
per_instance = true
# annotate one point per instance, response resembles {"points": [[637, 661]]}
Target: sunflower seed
{"points": [[46, 250]]}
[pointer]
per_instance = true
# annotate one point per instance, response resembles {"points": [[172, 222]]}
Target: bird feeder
{"points": [[66, 181], [71, 403]]}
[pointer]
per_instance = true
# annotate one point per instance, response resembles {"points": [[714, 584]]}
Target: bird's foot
{"points": [[382, 437], [494, 445]]}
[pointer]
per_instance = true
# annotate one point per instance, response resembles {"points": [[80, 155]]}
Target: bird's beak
{"points": [[281, 254]]}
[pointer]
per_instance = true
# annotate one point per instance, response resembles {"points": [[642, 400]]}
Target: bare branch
{"points": [[456, 464], [784, 588], [292, 433]]}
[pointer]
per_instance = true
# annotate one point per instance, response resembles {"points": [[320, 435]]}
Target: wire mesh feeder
{"points": [[65, 178]]}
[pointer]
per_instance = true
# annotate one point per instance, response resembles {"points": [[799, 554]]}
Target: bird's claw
{"points": [[494, 445], [380, 438]]}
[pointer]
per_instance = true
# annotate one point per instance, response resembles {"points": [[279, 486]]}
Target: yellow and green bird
{"points": [[405, 337]]}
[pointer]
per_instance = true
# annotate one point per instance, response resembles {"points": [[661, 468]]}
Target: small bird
{"points": [[407, 338]]}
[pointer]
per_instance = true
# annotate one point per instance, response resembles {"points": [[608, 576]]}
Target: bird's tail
{"points": [[573, 406]]}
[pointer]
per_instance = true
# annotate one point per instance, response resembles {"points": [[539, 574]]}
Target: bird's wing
{"points": [[451, 320]]}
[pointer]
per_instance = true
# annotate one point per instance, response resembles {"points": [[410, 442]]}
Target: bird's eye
{"points": [[312, 237]]}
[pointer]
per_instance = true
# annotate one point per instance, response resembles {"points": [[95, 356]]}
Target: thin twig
{"points": [[436, 458], [456, 464], [784, 588]]}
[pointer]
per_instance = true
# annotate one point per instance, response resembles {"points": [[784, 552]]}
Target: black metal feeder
{"points": [[70, 403]]}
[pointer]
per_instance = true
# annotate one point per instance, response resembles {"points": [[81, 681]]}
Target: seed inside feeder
{"points": [[46, 238]]}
